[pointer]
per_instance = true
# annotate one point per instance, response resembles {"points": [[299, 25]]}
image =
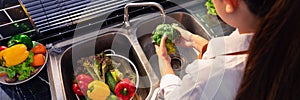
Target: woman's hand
{"points": [[185, 37], [189, 39], [161, 50], [164, 60]]}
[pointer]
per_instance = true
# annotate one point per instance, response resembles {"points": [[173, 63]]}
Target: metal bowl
{"points": [[127, 66], [2, 79]]}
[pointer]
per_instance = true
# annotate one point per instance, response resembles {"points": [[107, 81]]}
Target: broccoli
{"points": [[171, 33]]}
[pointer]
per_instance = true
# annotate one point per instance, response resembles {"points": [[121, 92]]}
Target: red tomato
{"points": [[3, 48], [77, 90]]}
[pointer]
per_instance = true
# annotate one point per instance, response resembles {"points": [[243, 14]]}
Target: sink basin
{"points": [[134, 43], [183, 55], [117, 41]]}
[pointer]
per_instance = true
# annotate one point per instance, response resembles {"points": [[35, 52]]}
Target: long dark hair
{"points": [[273, 66]]}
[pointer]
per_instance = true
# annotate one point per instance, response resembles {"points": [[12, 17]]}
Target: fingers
{"points": [[179, 29], [163, 40], [184, 43], [184, 33], [156, 48]]}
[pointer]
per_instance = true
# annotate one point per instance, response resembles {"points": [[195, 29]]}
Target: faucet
{"points": [[126, 14]]}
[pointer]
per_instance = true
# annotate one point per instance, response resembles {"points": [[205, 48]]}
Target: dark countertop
{"points": [[37, 88]]}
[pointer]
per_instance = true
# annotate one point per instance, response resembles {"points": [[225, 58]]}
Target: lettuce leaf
{"points": [[210, 7], [24, 69]]}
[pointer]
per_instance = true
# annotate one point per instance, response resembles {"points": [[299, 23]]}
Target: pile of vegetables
{"points": [[98, 78], [210, 7], [21, 58], [172, 35]]}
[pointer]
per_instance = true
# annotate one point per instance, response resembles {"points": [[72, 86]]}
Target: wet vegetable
{"points": [[171, 33], [112, 97], [111, 82], [82, 81], [77, 90], [125, 89], [104, 70], [98, 90], [20, 39], [210, 7], [14, 55]]}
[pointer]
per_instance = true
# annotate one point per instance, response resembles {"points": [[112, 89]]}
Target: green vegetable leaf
{"points": [[24, 69], [171, 33], [10, 72], [210, 7]]}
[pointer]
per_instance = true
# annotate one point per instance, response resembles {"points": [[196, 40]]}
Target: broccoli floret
{"points": [[171, 33]]}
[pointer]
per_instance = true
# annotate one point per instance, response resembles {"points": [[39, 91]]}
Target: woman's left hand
{"points": [[164, 60], [161, 50]]}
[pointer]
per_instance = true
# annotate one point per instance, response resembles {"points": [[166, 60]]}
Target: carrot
{"points": [[39, 49], [38, 60]]}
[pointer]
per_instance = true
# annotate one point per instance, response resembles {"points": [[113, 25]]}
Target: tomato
{"points": [[77, 90], [3, 48]]}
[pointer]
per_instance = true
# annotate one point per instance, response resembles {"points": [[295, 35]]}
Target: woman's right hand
{"points": [[189, 39], [185, 38]]}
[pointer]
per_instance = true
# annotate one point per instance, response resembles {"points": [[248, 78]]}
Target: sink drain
{"points": [[176, 62]]}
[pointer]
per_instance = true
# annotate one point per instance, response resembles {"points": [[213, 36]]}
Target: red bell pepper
{"points": [[81, 82], [125, 89]]}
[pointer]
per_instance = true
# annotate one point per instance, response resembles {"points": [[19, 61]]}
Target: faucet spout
{"points": [[143, 4]]}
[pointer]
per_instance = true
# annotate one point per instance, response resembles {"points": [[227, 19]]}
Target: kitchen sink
{"points": [[67, 59], [183, 55], [132, 42]]}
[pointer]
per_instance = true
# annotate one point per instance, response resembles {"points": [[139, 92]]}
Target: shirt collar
{"points": [[235, 42]]}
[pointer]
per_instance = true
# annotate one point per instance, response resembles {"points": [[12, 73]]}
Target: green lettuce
{"points": [[210, 7], [24, 69], [171, 33]]}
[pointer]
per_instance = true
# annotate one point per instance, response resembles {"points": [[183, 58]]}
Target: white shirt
{"points": [[216, 76]]}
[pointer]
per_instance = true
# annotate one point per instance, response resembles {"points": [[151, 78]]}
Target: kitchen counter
{"points": [[39, 87]]}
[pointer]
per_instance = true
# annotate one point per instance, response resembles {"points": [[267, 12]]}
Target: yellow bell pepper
{"points": [[14, 55], [98, 90]]}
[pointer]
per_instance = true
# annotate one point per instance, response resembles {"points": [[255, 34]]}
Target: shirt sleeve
{"points": [[172, 87], [193, 84], [168, 83]]}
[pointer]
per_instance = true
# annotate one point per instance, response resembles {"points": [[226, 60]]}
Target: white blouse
{"points": [[216, 76]]}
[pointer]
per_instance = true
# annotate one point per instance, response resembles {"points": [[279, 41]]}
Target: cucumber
{"points": [[112, 97], [110, 81]]}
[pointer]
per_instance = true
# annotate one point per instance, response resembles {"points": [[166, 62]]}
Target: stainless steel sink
{"points": [[63, 64], [132, 42], [183, 56]]}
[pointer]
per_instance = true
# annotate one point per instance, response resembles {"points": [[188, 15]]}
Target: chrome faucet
{"points": [[126, 14]]}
